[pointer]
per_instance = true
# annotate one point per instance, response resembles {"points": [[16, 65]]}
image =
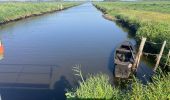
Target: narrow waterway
{"points": [[41, 51]]}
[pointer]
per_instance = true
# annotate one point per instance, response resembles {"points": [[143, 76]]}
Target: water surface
{"points": [[40, 52]]}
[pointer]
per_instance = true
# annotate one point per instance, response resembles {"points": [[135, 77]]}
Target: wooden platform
{"points": [[25, 76]]}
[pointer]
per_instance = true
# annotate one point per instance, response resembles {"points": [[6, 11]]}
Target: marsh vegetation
{"points": [[13, 11], [148, 19], [98, 87]]}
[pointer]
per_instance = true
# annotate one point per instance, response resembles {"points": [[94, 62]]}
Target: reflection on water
{"points": [[40, 52], [22, 75]]}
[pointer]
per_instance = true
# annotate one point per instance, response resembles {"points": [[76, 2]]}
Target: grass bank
{"points": [[98, 88], [148, 19], [15, 11]]}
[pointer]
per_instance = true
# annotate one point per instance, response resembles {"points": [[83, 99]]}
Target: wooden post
{"points": [[159, 56], [58, 6], [61, 7], [139, 54]]}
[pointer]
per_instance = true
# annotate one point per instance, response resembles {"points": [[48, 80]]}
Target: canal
{"points": [[41, 51]]}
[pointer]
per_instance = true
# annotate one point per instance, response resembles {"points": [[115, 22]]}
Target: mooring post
{"points": [[58, 6], [139, 54], [61, 7], [159, 56]]}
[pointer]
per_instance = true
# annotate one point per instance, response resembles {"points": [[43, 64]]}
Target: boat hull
{"points": [[124, 59]]}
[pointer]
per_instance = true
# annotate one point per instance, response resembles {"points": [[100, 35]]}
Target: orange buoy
{"points": [[1, 48]]}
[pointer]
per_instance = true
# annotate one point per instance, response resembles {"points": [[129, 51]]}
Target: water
{"points": [[40, 52]]}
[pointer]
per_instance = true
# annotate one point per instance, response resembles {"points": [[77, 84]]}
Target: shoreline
{"points": [[35, 14], [122, 22]]}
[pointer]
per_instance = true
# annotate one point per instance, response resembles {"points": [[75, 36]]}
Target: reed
{"points": [[98, 87], [95, 87]]}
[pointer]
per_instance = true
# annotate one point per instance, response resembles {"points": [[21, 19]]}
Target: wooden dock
{"points": [[25, 76]]}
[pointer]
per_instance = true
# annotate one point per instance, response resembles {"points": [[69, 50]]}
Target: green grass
{"points": [[12, 11], [95, 87], [149, 19], [98, 87], [147, 6]]}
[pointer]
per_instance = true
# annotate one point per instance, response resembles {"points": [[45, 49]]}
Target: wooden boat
{"points": [[124, 59]]}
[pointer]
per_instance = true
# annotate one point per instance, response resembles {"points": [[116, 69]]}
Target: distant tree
{"points": [[55, 0], [112, 0], [58, 0], [154, 0]]}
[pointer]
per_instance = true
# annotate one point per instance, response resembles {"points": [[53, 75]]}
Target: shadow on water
{"points": [[111, 62], [125, 27], [144, 73], [60, 88], [57, 93]]}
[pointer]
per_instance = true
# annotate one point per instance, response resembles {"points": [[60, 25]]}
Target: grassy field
{"points": [[148, 19], [13, 11], [98, 87]]}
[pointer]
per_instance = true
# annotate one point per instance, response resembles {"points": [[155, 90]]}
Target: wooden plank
{"points": [[159, 56], [123, 50], [121, 63], [24, 76], [139, 54]]}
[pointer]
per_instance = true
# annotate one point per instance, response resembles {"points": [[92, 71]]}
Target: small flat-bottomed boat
{"points": [[124, 59]]}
